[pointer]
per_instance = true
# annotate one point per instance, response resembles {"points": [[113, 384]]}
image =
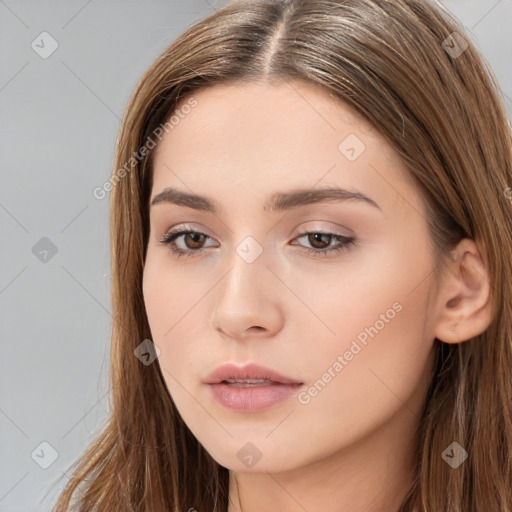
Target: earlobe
{"points": [[464, 305]]}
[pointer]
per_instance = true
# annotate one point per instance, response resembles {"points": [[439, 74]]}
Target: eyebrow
{"points": [[279, 201]]}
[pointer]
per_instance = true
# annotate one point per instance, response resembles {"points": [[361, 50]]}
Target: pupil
{"points": [[317, 238], [195, 237]]}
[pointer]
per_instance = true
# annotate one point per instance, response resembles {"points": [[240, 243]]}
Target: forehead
{"points": [[284, 112], [262, 137]]}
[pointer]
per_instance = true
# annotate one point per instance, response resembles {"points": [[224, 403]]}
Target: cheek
{"points": [[174, 300], [379, 355], [364, 293], [171, 293], [372, 371]]}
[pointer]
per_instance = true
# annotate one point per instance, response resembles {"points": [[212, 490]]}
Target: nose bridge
{"points": [[248, 269], [246, 298]]}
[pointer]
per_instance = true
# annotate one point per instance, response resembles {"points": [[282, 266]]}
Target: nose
{"points": [[248, 301]]}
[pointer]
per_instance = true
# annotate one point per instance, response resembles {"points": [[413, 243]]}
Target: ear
{"points": [[464, 306]]}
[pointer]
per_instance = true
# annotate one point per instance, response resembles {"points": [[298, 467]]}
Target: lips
{"points": [[251, 388], [250, 375]]}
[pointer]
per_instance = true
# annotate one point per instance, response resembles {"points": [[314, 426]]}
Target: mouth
{"points": [[251, 388], [249, 383]]}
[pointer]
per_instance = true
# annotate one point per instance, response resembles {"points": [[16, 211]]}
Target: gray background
{"points": [[57, 145]]}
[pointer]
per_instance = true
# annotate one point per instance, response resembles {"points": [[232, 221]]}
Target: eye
{"points": [[194, 240], [320, 241]]}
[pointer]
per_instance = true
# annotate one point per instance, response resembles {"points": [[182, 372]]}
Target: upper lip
{"points": [[248, 371]]}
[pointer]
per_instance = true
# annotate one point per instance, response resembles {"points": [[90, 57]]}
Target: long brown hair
{"points": [[400, 65]]}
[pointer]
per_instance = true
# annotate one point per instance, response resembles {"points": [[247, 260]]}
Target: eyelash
{"points": [[169, 238]]}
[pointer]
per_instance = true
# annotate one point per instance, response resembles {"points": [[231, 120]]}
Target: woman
{"points": [[311, 276]]}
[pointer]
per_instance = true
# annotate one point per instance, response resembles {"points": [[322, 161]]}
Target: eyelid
{"points": [[183, 227], [302, 229]]}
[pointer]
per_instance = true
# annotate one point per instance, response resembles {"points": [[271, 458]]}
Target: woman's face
{"points": [[345, 314]]}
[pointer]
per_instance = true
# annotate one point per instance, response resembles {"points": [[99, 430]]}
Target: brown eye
{"points": [[321, 243], [191, 241], [315, 239], [196, 240]]}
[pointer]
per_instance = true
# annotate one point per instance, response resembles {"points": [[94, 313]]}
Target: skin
{"points": [[352, 446]]}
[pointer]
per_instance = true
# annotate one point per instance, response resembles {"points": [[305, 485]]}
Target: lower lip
{"points": [[252, 398]]}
